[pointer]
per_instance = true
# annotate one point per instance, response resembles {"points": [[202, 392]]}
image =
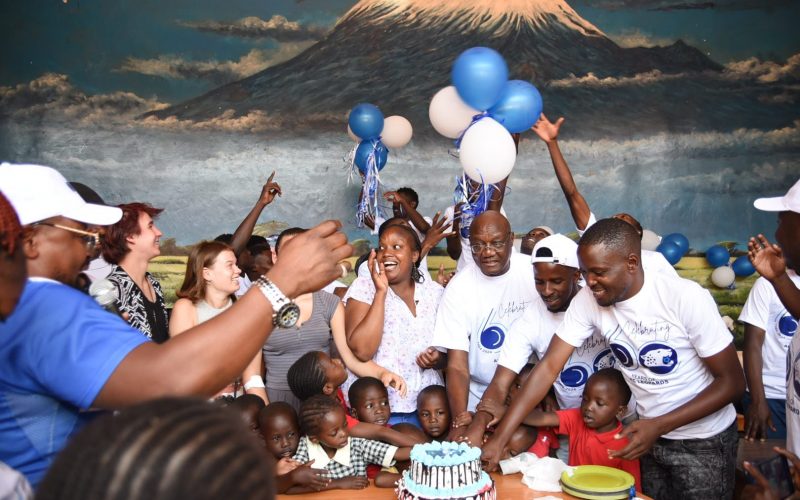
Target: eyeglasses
{"points": [[478, 248], [90, 238]]}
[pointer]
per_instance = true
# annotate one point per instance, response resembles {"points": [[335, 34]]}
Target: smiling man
{"points": [[479, 306], [676, 355]]}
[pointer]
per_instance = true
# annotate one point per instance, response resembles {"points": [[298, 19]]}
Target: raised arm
{"points": [[245, 229], [418, 220], [768, 260], [578, 206], [454, 238], [437, 231], [205, 358], [364, 322]]}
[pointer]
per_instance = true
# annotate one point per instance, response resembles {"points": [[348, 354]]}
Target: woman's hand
{"points": [[378, 273], [395, 381], [429, 358]]}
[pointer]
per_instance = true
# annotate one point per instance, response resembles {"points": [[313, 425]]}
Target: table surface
{"points": [[508, 488]]}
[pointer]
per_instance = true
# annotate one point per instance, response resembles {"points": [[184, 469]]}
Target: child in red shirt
{"points": [[593, 428]]}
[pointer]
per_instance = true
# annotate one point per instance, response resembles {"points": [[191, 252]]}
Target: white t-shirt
{"points": [[658, 337], [532, 334], [764, 310], [793, 396], [465, 259], [244, 285], [476, 314], [651, 261]]}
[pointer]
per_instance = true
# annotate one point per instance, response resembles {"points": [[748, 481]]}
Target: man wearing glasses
{"points": [[479, 306]]}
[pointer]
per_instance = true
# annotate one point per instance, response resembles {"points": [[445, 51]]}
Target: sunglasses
{"points": [[90, 238]]}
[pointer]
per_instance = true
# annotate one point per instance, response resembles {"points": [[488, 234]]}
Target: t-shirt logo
{"points": [[604, 360], [492, 338], [574, 376], [658, 358], [787, 325], [624, 356]]}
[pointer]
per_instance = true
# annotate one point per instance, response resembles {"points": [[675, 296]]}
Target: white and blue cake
{"points": [[445, 471]]}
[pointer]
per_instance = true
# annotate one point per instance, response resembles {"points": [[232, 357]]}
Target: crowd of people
{"points": [[271, 375]]}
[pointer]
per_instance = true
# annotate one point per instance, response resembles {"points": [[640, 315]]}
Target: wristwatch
{"points": [[285, 313]]}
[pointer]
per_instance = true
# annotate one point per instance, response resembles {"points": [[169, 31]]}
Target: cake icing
{"points": [[445, 470]]}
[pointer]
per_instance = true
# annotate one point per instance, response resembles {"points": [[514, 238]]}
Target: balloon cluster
{"points": [[481, 109], [724, 274], [673, 247], [375, 135]]}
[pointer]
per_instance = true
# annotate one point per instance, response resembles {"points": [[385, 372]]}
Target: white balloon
{"points": [[487, 152], [450, 115], [352, 135], [723, 276], [396, 132], [650, 240]]}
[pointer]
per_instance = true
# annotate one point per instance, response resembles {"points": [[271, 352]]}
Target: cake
{"points": [[445, 471]]}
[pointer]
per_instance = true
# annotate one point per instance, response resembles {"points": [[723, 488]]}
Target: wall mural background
{"points": [[680, 112]]}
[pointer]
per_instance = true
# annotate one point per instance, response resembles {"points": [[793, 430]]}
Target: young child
{"points": [[316, 373], [433, 412], [281, 433], [247, 407], [328, 443], [592, 427]]}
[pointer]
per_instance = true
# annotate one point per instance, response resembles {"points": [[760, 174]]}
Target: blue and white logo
{"points": [[658, 358], [604, 360], [574, 376], [492, 338], [787, 325], [624, 356]]}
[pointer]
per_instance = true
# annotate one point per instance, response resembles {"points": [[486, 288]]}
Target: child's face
{"points": [[601, 405], [334, 370], [373, 406], [519, 381], [281, 435], [333, 431], [250, 417], [434, 415]]}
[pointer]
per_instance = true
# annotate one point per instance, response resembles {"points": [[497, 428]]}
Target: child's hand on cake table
{"points": [[350, 483], [304, 475]]}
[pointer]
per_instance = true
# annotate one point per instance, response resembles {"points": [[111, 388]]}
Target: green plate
{"points": [[596, 482]]}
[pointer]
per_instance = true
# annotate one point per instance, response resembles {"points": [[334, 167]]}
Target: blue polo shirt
{"points": [[57, 350]]}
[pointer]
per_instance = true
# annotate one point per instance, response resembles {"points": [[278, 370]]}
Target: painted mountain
{"points": [[398, 53]]}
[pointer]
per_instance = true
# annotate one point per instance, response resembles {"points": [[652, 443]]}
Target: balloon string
{"points": [[475, 119], [474, 200], [370, 190]]}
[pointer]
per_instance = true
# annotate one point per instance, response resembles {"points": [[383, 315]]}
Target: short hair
{"points": [[162, 450], [409, 194], [313, 410], [273, 410], [247, 402], [259, 249], [615, 378], [225, 238], [431, 390], [614, 234], [115, 241], [292, 231], [10, 227], [356, 391], [202, 255], [256, 240], [306, 377]]}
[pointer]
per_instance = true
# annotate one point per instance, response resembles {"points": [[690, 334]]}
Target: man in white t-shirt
{"points": [[776, 264], [676, 355], [478, 308]]}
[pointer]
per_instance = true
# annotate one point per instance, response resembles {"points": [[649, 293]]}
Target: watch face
{"points": [[287, 315]]}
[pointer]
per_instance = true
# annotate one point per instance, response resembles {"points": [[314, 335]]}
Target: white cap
{"points": [[556, 249], [38, 193], [546, 229], [787, 203]]}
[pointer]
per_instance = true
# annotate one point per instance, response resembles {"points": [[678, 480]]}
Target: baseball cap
{"points": [[38, 193], [790, 202], [546, 229], [556, 249]]}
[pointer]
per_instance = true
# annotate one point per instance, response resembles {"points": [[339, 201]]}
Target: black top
{"points": [[150, 318]]}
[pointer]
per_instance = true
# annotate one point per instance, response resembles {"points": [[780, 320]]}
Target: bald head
{"points": [[490, 242], [490, 218]]}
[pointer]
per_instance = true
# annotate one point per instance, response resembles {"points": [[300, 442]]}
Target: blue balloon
{"points": [[680, 240], [366, 121], [519, 107], [717, 255], [742, 267], [365, 149], [670, 251], [480, 75]]}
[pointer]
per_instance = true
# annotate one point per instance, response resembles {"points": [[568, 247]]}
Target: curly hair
{"points": [[115, 240], [162, 450], [313, 410], [306, 377]]}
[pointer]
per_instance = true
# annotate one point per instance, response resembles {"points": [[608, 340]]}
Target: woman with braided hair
{"points": [[390, 318]]}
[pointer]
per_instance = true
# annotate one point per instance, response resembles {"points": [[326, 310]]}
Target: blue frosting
{"points": [[444, 454], [424, 491]]}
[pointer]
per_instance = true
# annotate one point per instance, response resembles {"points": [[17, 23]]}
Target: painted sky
{"points": [[174, 50]]}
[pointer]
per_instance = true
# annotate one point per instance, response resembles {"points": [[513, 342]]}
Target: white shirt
{"points": [[244, 285], [477, 313], [793, 396], [465, 259], [763, 309], [651, 261], [658, 337]]}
